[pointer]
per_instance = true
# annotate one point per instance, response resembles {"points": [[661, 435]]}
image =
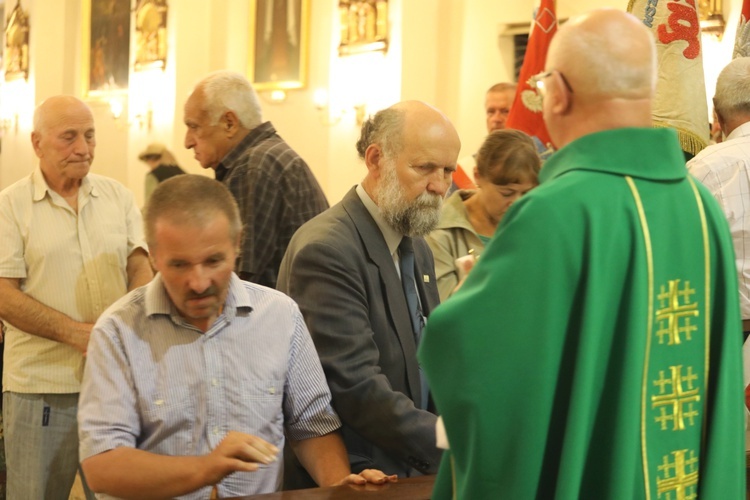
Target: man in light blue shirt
{"points": [[193, 381]]}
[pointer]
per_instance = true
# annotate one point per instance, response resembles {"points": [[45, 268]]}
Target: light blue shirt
{"points": [[154, 382]]}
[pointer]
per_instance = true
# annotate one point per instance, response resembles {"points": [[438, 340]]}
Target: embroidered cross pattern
{"points": [[677, 404], [680, 477], [674, 313]]}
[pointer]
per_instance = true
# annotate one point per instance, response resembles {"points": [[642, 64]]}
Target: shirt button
{"points": [[214, 382], [216, 431]]}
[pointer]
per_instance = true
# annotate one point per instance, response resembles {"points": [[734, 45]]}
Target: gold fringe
{"points": [[689, 142]]}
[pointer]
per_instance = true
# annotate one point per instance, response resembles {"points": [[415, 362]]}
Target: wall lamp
{"points": [[330, 117]]}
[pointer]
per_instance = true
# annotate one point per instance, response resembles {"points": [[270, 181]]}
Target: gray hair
{"points": [[732, 96], [384, 128], [230, 91], [194, 199]]}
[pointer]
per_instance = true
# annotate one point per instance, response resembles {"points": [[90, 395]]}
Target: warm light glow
{"points": [[278, 96], [320, 98], [116, 106]]}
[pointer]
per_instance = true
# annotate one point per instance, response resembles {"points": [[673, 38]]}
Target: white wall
{"points": [[446, 52]]}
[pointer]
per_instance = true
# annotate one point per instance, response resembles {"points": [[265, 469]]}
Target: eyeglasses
{"points": [[537, 81]]}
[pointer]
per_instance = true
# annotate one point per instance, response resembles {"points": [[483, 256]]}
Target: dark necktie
{"points": [[406, 263]]}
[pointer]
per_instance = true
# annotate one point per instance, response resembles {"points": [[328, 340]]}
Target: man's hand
{"points": [[372, 476], [238, 452]]}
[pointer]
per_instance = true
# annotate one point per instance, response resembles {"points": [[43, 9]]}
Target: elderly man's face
{"points": [[414, 181], [207, 140], [195, 263], [65, 142]]}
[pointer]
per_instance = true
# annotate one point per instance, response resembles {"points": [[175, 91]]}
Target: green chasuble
{"points": [[595, 349]]}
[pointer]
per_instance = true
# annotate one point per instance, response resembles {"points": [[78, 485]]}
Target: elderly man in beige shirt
{"points": [[72, 245]]}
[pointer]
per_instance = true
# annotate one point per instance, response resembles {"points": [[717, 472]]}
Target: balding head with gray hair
{"points": [[230, 91], [732, 98]]}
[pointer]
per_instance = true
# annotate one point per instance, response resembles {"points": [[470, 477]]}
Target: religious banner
{"points": [[742, 41], [526, 111], [680, 100]]}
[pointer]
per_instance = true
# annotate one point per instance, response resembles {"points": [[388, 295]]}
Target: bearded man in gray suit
{"points": [[345, 269]]}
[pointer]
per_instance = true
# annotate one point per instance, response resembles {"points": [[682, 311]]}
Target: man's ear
{"points": [[373, 158], [230, 123], [36, 138], [562, 99]]}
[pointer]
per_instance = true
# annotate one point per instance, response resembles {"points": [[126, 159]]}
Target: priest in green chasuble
{"points": [[594, 350]]}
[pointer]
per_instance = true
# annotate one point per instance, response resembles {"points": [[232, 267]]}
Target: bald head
{"points": [[606, 54], [63, 139], [57, 109]]}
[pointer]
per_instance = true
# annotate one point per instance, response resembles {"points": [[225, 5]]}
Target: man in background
{"points": [[604, 314], [364, 279], [497, 103], [72, 245], [274, 187], [724, 168]]}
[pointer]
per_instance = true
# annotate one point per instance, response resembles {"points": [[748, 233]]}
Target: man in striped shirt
{"points": [[193, 381]]}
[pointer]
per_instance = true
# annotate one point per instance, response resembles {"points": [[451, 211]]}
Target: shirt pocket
{"points": [[168, 421], [261, 412]]}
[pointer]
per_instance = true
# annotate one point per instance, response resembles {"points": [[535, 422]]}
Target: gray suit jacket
{"points": [[339, 270]]}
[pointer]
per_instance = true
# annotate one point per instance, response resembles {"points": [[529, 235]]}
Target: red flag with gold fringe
{"points": [[526, 111], [680, 100]]}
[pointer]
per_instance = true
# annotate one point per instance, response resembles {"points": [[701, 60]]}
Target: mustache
{"points": [[209, 292], [428, 200]]}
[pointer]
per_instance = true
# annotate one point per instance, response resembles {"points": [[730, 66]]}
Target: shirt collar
{"points": [[391, 236], [259, 133], [741, 131], [41, 188], [157, 301], [647, 153]]}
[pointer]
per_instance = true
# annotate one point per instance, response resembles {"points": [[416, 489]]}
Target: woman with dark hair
{"points": [[507, 168]]}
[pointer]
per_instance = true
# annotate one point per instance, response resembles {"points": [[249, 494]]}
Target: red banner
{"points": [[526, 112]]}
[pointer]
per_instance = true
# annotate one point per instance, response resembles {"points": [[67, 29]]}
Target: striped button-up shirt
{"points": [[73, 262], [154, 382]]}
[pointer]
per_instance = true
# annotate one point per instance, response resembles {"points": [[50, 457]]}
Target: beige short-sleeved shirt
{"points": [[74, 263]]}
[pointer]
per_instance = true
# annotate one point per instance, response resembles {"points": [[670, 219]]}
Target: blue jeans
{"points": [[41, 445]]}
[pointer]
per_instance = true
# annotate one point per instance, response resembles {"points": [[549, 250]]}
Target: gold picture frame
{"points": [[151, 34], [363, 25], [105, 62], [278, 45], [16, 57]]}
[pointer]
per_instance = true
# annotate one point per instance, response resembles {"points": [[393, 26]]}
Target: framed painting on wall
{"points": [[106, 46], [150, 34], [278, 44], [363, 25], [16, 57]]}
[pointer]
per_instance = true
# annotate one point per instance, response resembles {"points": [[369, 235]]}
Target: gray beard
{"points": [[410, 218]]}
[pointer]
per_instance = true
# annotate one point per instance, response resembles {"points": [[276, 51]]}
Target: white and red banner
{"points": [[680, 100]]}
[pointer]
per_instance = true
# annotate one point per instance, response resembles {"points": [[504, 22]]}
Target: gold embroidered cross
{"points": [[682, 393], [680, 477], [673, 317]]}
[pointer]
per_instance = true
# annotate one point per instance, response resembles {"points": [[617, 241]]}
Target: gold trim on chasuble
{"points": [[675, 404]]}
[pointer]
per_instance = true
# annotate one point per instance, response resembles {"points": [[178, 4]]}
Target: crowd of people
{"points": [[560, 329]]}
